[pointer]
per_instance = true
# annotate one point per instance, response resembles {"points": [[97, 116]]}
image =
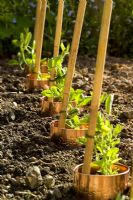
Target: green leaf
{"points": [[118, 128], [85, 101], [16, 43], [82, 140], [47, 93], [108, 103], [28, 38], [76, 120], [73, 111], [99, 149], [113, 151], [103, 98], [62, 46], [116, 160], [13, 62], [85, 119]]}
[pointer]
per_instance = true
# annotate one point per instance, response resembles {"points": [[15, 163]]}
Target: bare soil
{"points": [[24, 132]]}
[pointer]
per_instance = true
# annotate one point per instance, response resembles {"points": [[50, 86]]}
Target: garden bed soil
{"points": [[25, 132]]}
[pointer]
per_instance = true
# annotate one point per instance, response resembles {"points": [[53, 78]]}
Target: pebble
{"points": [[1, 154], [32, 159], [14, 181], [12, 116], [33, 177], [129, 114], [9, 196], [15, 104], [1, 146], [49, 181], [4, 191]]}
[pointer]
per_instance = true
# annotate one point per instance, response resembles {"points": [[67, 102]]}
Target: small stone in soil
{"points": [[33, 177], [12, 116], [1, 154], [129, 114], [49, 181]]}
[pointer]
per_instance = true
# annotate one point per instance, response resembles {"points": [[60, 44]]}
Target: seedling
{"points": [[106, 152], [56, 64], [26, 54], [76, 122], [54, 92]]}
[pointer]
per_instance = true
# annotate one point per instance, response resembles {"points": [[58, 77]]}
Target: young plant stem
{"points": [[98, 80], [39, 33], [72, 61], [57, 36]]}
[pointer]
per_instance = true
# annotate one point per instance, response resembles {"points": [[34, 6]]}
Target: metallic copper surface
{"points": [[33, 82], [54, 128], [100, 187], [55, 107], [51, 107], [42, 83], [44, 68], [73, 134], [67, 134]]}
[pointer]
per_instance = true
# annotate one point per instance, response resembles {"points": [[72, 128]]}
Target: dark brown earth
{"points": [[24, 132]]}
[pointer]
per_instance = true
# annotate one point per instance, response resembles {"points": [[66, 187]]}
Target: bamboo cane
{"points": [[98, 80], [72, 60], [131, 193], [57, 35], [39, 31], [38, 9]]}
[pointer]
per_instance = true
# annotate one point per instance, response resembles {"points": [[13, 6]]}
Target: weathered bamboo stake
{"points": [[39, 34], [131, 193], [72, 60], [57, 35], [38, 9], [98, 80]]}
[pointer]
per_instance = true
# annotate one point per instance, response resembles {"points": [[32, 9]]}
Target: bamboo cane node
{"points": [[56, 46], [89, 136], [63, 111], [66, 92]]}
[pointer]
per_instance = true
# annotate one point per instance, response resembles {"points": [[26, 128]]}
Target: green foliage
{"points": [[121, 197], [54, 92], [26, 54], [56, 63], [79, 97], [106, 139], [73, 119], [108, 103], [15, 15], [121, 40], [26, 57], [75, 122]]}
